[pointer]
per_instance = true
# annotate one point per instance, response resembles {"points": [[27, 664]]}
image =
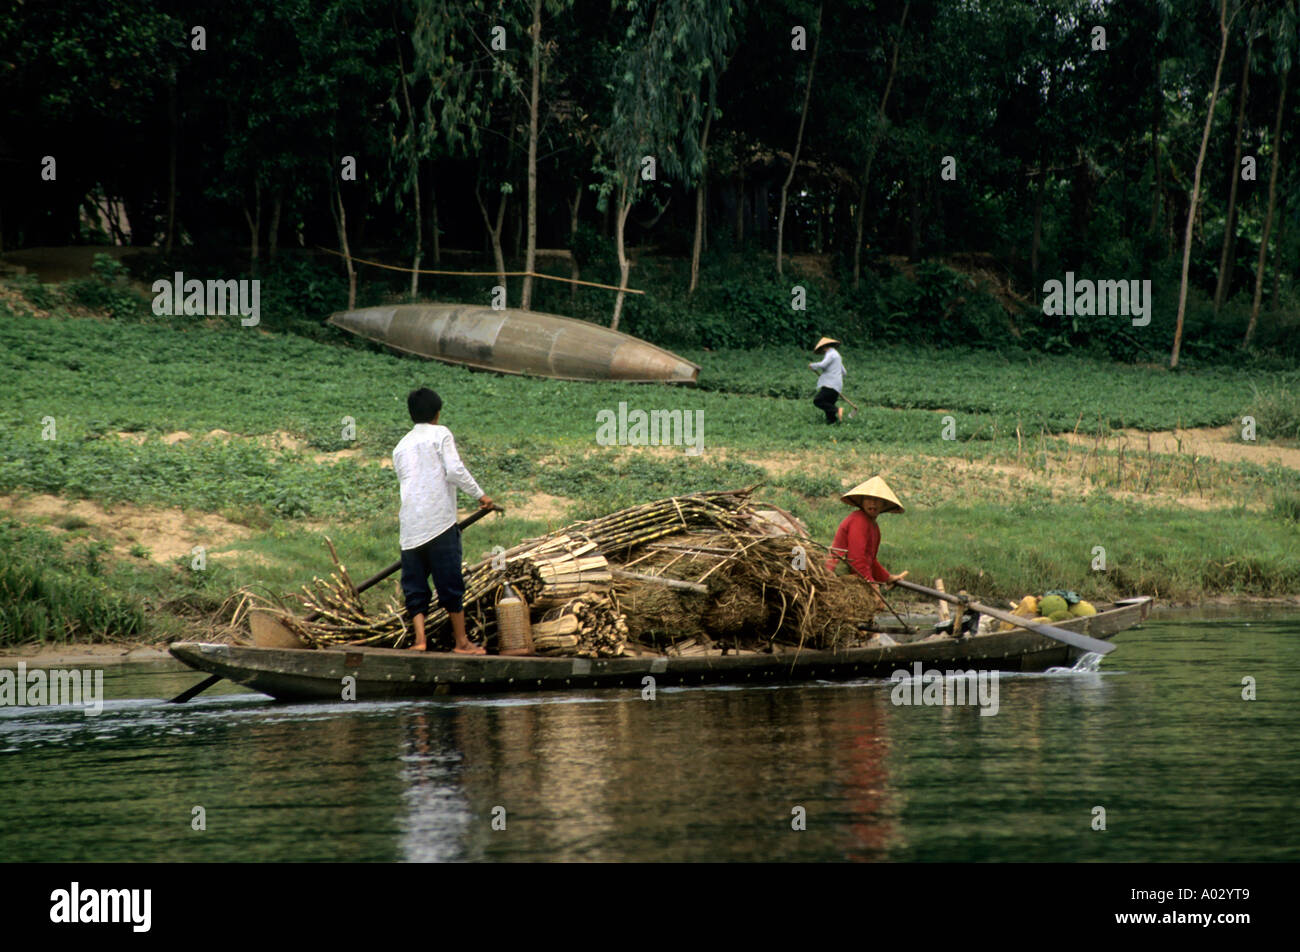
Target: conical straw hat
{"points": [[824, 341], [875, 486]]}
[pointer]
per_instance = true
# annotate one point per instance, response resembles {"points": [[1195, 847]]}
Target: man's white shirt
{"points": [[430, 471]]}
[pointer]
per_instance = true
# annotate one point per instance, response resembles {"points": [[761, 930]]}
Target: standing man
{"points": [[831, 379], [430, 471]]}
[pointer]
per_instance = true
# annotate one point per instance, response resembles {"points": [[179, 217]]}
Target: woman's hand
{"points": [[485, 502]]}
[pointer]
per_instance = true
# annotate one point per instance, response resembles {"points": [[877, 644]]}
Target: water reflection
{"points": [[1160, 736]]}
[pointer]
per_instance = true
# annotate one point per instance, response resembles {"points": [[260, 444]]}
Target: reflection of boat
{"points": [[297, 674], [516, 342]]}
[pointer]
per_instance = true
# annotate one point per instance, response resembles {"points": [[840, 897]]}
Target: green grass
{"points": [[1051, 392], [521, 436], [55, 591]]}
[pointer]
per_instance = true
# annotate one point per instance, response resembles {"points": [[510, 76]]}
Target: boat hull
{"points": [[297, 674], [516, 342]]}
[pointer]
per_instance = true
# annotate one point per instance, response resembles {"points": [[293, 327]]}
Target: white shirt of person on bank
{"points": [[832, 370]]}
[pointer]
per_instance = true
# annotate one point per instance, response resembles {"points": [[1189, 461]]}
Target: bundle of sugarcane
{"points": [[619, 532], [589, 626], [629, 528], [564, 567]]}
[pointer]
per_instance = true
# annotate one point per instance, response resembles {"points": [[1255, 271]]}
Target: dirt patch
{"points": [[543, 507], [173, 438], [1220, 443], [14, 301], [282, 440], [164, 533], [776, 466]]}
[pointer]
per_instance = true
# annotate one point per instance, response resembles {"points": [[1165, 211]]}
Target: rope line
{"points": [[482, 274]]}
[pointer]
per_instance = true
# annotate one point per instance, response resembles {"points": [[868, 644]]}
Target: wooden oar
{"points": [[368, 583], [1074, 639]]}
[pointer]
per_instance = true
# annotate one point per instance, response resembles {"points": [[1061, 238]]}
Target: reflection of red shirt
{"points": [[858, 540]]}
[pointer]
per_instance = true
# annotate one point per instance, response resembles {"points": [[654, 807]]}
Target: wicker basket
{"points": [[514, 632]]}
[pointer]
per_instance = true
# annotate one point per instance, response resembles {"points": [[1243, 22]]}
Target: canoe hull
{"points": [[296, 674], [516, 342]]}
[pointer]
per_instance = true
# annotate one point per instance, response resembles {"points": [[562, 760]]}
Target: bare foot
{"points": [[470, 649], [417, 648]]}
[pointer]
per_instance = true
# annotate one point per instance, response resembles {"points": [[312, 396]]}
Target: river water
{"points": [[1159, 737]]}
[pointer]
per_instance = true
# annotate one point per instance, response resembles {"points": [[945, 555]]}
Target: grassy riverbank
{"points": [[1013, 470]]}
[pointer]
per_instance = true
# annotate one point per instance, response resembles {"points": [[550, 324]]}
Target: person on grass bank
{"points": [[830, 382], [430, 472], [857, 540]]}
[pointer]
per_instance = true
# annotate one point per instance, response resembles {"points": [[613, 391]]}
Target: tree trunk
{"points": [[273, 237], [1036, 243], [495, 233], [171, 161], [1278, 250], [699, 206], [1157, 100], [876, 133], [798, 143], [530, 258], [624, 206], [740, 205], [1196, 181], [1268, 217], [341, 223], [437, 240], [419, 231], [254, 226], [1234, 176], [574, 268], [412, 157]]}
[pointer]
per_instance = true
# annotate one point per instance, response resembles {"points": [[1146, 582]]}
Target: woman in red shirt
{"points": [[858, 538]]}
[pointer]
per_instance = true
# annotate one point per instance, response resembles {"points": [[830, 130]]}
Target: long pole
{"points": [[1074, 639]]}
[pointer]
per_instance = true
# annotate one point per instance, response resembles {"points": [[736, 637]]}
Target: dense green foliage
{"points": [[1015, 144]]}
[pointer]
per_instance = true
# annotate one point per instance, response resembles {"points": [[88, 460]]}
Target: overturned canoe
{"points": [[512, 341], [290, 674]]}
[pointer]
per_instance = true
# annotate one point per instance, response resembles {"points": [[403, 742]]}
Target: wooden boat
{"points": [[512, 341], [302, 674]]}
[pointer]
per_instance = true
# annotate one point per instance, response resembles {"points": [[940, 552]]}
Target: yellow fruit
{"points": [[1043, 620], [1049, 605], [1082, 608], [1027, 608], [1058, 616]]}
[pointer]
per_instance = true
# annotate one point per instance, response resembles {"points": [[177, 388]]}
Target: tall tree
{"points": [[656, 113], [1234, 173], [1272, 204], [1284, 27], [1225, 23], [798, 142], [873, 142]]}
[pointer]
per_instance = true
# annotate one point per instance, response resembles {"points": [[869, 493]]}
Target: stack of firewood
{"points": [[562, 568], [588, 626]]}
